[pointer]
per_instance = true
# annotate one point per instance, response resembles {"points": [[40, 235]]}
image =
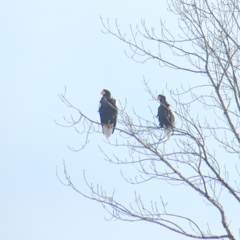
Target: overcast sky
{"points": [[45, 46]]}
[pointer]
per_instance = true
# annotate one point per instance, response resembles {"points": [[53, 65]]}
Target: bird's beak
{"points": [[159, 98], [102, 92]]}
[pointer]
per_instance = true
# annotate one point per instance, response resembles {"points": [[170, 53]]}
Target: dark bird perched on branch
{"points": [[108, 111], [166, 116]]}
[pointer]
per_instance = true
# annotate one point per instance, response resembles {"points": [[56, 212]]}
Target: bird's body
{"points": [[166, 116], [108, 113]]}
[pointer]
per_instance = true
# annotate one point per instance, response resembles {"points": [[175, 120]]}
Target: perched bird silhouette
{"points": [[166, 116], [108, 111]]}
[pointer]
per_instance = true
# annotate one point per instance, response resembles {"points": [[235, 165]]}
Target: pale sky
{"points": [[45, 46]]}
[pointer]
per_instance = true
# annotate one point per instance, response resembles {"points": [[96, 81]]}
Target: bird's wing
{"points": [[114, 111], [171, 116], [160, 115], [99, 106]]}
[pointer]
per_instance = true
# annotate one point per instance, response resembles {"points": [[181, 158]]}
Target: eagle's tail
{"points": [[168, 132], [107, 130]]}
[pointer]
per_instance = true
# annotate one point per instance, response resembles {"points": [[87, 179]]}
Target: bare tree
{"points": [[208, 41]]}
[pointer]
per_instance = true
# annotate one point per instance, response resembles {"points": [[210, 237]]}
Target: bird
{"points": [[166, 116], [108, 111]]}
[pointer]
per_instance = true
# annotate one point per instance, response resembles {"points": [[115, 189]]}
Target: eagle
{"points": [[108, 111], [166, 116]]}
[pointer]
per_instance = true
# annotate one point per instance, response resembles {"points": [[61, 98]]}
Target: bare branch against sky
{"points": [[201, 160]]}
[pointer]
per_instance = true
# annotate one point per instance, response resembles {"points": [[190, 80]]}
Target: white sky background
{"points": [[46, 45]]}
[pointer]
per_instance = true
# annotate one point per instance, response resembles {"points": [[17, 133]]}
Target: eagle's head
{"points": [[161, 98], [106, 93]]}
